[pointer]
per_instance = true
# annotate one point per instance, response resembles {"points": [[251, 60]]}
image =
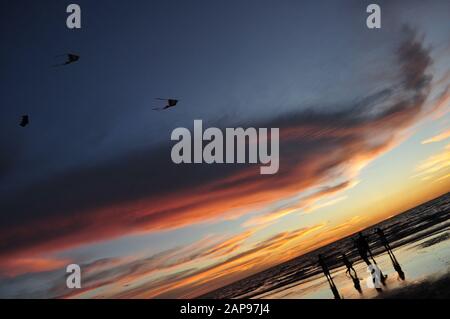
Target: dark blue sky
{"points": [[225, 62]]}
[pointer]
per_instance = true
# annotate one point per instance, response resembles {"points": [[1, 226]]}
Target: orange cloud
{"points": [[20, 266]]}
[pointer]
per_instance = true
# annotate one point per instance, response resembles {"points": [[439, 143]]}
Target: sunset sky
{"points": [[364, 135]]}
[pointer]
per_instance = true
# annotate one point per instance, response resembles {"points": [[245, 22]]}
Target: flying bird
{"points": [[71, 58], [170, 103], [24, 121]]}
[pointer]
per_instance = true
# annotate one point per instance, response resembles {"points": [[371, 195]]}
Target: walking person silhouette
{"points": [[327, 274], [351, 272], [388, 248]]}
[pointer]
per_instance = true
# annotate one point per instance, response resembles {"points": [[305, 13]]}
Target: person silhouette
{"points": [[327, 274], [362, 247], [383, 238], [348, 264], [388, 248], [351, 272], [364, 251]]}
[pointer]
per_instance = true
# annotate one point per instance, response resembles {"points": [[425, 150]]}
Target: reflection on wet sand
{"points": [[351, 272], [327, 274]]}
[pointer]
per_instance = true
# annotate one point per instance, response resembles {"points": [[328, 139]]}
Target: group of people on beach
{"points": [[362, 245]]}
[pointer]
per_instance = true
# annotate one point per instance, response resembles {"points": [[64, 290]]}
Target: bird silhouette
{"points": [[25, 120], [170, 103], [71, 58]]}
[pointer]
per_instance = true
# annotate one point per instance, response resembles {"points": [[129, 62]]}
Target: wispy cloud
{"points": [[434, 165], [330, 202], [442, 178], [307, 204], [438, 138]]}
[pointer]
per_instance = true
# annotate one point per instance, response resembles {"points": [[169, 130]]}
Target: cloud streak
{"points": [[438, 138], [434, 165]]}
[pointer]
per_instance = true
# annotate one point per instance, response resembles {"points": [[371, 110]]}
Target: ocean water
{"points": [[420, 242]]}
